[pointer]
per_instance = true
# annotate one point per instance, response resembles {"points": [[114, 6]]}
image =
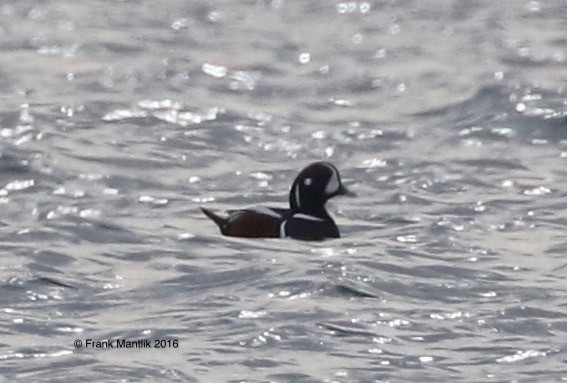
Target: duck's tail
{"points": [[220, 221]]}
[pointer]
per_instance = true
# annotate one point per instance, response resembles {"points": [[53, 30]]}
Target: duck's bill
{"points": [[344, 191]]}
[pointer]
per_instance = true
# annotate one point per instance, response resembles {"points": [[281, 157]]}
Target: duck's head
{"points": [[314, 186]]}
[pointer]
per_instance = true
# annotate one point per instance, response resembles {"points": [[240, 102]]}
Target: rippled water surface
{"points": [[118, 119]]}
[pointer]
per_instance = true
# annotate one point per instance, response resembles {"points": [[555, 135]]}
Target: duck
{"points": [[306, 218]]}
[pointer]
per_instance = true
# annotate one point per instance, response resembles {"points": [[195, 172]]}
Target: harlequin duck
{"points": [[306, 218]]}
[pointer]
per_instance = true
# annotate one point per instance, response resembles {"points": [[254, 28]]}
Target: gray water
{"points": [[119, 119]]}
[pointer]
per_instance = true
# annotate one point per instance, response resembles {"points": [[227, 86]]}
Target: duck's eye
{"points": [[307, 181]]}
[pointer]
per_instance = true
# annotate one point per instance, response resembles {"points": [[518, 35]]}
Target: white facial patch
{"points": [[333, 183], [307, 181]]}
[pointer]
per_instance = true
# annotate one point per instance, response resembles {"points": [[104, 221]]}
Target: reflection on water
{"points": [[119, 119]]}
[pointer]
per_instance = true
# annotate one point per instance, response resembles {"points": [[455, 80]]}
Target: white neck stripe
{"points": [[297, 196]]}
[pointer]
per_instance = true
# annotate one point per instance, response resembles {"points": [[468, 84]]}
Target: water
{"points": [[120, 118]]}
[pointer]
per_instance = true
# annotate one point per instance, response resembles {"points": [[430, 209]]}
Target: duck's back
{"points": [[254, 222]]}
